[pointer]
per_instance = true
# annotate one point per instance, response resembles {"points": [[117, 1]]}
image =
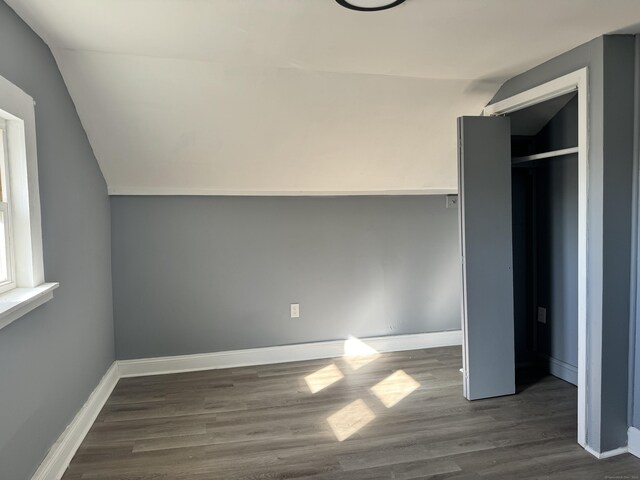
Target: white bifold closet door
{"points": [[484, 183]]}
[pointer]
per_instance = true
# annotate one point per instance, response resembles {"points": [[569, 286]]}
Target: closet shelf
{"points": [[540, 156]]}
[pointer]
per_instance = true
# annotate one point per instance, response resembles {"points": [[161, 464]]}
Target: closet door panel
{"points": [[484, 166]]}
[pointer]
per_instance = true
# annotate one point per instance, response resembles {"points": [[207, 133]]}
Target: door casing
{"points": [[575, 81]]}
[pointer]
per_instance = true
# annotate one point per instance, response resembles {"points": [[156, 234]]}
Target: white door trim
{"points": [[577, 80]]}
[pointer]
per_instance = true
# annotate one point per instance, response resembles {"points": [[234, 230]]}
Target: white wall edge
{"points": [[634, 441], [60, 454], [608, 453], [280, 354], [178, 191]]}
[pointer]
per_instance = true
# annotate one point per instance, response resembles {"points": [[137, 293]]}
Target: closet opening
{"points": [[544, 181], [524, 218]]}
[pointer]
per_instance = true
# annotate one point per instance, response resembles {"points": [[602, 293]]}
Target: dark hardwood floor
{"points": [[393, 416]]}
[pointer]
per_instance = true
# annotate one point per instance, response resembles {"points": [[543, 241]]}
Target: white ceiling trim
{"points": [[126, 191]]}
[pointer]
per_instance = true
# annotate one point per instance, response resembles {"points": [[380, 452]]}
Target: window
{"points": [[22, 285], [7, 270]]}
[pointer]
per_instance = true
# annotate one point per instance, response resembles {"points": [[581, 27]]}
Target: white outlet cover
{"points": [[295, 310], [542, 315]]}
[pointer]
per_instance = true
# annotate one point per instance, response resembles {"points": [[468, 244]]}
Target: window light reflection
{"points": [[394, 388], [324, 377], [349, 419], [358, 354]]}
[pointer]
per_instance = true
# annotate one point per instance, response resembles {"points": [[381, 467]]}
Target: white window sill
{"points": [[20, 301]]}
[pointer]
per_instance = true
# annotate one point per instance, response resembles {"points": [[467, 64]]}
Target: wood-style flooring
{"points": [[392, 416]]}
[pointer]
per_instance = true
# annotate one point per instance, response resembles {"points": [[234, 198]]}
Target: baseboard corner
{"points": [[62, 451], [562, 369], [608, 454], [634, 441]]}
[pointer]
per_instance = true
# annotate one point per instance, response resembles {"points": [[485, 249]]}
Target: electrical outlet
{"points": [[295, 310], [452, 201], [542, 315]]}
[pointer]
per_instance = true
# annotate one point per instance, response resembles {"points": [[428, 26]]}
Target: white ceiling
{"points": [[251, 96]]}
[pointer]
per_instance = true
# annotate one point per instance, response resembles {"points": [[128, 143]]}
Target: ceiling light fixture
{"points": [[369, 5]]}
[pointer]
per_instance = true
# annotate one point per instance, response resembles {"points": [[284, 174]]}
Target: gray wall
{"points": [[610, 60], [52, 358], [204, 274]]}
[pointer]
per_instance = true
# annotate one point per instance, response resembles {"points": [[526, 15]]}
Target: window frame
{"points": [[5, 209], [28, 288]]}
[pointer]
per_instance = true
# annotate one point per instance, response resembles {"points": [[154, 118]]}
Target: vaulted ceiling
{"points": [[287, 96]]}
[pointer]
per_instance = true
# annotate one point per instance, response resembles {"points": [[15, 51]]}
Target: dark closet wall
{"points": [[545, 226], [558, 240], [558, 262]]}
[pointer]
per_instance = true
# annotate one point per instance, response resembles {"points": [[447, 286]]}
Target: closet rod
{"points": [[540, 156]]}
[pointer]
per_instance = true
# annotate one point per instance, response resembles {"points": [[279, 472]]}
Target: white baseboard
{"points": [[280, 354], [57, 460], [608, 453], [563, 370], [59, 456], [634, 441]]}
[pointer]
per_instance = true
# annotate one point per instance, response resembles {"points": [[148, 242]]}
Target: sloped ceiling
{"points": [[288, 96]]}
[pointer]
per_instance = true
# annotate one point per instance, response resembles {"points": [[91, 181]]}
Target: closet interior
{"points": [[544, 148]]}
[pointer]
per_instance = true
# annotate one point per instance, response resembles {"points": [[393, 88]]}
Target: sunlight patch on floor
{"points": [[348, 420], [394, 388], [358, 354], [321, 379]]}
